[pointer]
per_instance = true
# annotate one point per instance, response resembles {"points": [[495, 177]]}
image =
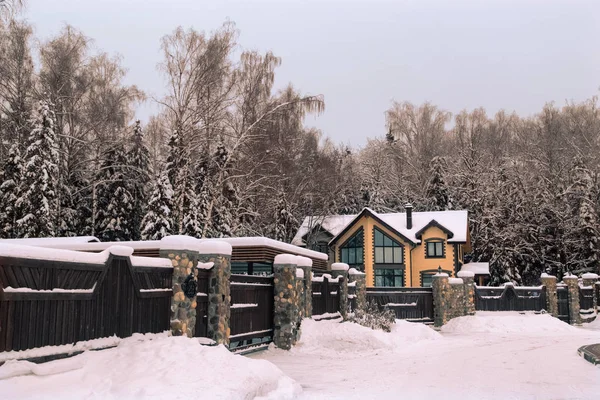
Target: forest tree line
{"points": [[229, 156]]}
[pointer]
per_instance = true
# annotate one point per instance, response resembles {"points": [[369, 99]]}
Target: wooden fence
{"points": [[251, 320], [510, 298], [48, 302], [586, 303], [325, 296], [413, 304]]}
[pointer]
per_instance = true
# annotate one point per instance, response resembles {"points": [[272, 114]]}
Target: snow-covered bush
{"points": [[374, 318]]}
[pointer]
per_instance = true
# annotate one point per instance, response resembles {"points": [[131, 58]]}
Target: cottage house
{"points": [[393, 249]]}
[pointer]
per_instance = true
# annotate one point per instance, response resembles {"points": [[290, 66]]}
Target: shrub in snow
{"points": [[375, 318]]}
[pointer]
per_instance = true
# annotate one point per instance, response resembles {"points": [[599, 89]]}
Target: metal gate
{"points": [[563, 303]]}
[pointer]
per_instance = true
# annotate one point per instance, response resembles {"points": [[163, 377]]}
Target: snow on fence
{"points": [[56, 297], [413, 304], [510, 298]]}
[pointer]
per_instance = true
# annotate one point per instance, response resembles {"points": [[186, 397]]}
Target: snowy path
{"points": [[491, 356]]}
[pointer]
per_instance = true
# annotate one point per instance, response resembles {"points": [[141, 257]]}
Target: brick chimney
{"points": [[408, 207]]}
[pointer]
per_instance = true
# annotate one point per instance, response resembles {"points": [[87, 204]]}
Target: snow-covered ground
{"points": [[488, 356], [138, 368]]}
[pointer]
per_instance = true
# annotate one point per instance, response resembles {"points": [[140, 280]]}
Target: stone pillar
{"points": [[182, 251], [441, 292], [285, 308], [218, 254], [549, 282], [572, 283], [301, 300], [361, 288], [468, 278], [305, 264], [340, 270]]}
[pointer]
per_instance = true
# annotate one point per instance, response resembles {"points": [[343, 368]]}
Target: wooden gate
{"points": [[586, 303], [510, 298], [251, 320], [562, 295], [202, 304], [325, 296], [413, 304]]}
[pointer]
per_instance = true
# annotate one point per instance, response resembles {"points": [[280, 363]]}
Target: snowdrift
{"points": [[329, 337], [163, 367], [509, 322]]}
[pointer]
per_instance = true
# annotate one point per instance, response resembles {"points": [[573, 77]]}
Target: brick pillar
{"points": [[441, 292], [305, 264], [182, 251], [285, 309], [590, 279], [468, 278], [361, 288], [341, 270], [572, 283], [549, 282], [300, 301], [218, 254]]}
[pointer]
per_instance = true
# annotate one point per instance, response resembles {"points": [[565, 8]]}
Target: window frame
{"points": [[395, 275], [360, 266], [435, 241], [390, 243], [430, 272]]}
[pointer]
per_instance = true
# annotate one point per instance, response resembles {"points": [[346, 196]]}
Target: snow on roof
{"points": [[455, 221], [35, 252], [156, 244], [478, 268], [51, 241]]}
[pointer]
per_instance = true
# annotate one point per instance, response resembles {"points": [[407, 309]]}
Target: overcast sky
{"points": [[361, 55]]}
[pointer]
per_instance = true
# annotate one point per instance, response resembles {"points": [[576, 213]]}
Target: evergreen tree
{"points": [[175, 159], [157, 222], [437, 192], [139, 177], [114, 203], [10, 177], [37, 204], [225, 203]]}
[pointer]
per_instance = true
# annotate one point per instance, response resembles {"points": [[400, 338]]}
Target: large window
{"points": [[351, 252], [321, 247], [387, 250], [427, 277], [435, 248], [389, 277]]}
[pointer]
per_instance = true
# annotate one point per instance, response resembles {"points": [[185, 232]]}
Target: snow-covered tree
{"points": [[114, 202], [10, 176], [139, 177], [157, 223], [37, 201], [285, 222], [437, 193]]}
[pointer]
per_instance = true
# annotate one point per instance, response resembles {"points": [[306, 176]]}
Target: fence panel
{"points": [[46, 302], [510, 298], [562, 295], [202, 304], [413, 304], [352, 296], [251, 310], [586, 303], [325, 295]]}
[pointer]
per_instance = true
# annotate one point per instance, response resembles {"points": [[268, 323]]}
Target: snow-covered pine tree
{"points": [[437, 192], [37, 201], [114, 203], [176, 157], [157, 222], [139, 177], [224, 204], [10, 176], [581, 237]]}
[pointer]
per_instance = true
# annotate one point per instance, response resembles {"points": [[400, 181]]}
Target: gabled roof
{"points": [[454, 223]]}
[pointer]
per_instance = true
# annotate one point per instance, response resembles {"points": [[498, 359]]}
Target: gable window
{"points": [[352, 252], [435, 248], [389, 277], [387, 250], [321, 247]]}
